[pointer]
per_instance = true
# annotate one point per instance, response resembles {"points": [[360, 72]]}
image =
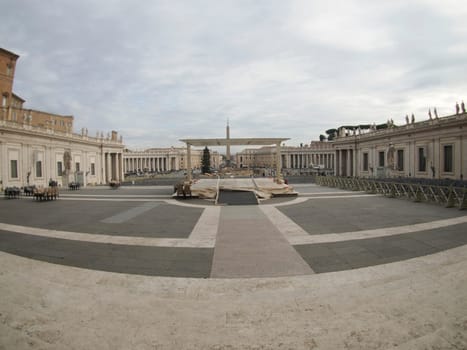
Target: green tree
{"points": [[206, 161]]}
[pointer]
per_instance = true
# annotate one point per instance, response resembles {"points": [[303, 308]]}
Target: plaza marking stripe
{"points": [[302, 199], [168, 201], [207, 226], [326, 193], [186, 204], [130, 213], [349, 196], [138, 187], [297, 200], [289, 229], [112, 199], [116, 195], [118, 240], [297, 235]]}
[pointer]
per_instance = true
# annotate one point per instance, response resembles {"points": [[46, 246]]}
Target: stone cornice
{"points": [[419, 127], [31, 131]]}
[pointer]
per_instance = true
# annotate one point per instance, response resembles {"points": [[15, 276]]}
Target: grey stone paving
{"points": [[130, 213], [248, 243], [358, 253], [260, 252], [321, 216], [237, 198], [156, 219], [410, 304], [152, 261]]}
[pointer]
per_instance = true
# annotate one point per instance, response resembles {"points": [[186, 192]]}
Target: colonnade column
{"points": [[188, 161], [354, 163], [279, 178], [339, 163], [120, 164], [349, 163], [108, 166]]}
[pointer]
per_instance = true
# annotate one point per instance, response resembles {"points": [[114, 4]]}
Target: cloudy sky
{"points": [[158, 71]]}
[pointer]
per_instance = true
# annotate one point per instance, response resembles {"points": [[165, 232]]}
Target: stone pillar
{"points": [[279, 178], [188, 162], [102, 164], [339, 163], [348, 165], [120, 163], [108, 162], [354, 162]]}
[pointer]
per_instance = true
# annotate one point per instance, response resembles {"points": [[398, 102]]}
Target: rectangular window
{"points": [[38, 168], [400, 159], [14, 169], [381, 159], [421, 159], [59, 168], [365, 161], [93, 169], [4, 100], [448, 165], [77, 166]]}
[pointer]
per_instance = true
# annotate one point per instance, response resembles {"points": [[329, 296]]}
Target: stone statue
{"points": [[407, 119], [429, 113], [391, 151], [463, 107], [457, 108], [413, 118], [67, 160], [436, 112]]}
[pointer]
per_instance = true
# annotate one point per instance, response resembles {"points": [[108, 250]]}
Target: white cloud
{"points": [[158, 71]]}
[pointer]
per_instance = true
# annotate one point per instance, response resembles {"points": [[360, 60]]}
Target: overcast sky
{"points": [[158, 71]]}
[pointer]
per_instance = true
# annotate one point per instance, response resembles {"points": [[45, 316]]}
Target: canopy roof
{"points": [[234, 142]]}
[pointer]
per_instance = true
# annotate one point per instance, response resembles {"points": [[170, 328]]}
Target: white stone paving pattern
{"points": [[414, 304]]}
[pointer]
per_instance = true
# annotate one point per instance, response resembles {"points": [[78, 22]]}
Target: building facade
{"points": [[12, 105], [318, 155], [434, 149], [165, 159], [37, 146]]}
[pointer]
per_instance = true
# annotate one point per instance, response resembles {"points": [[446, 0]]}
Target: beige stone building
{"points": [[303, 159], [37, 146], [434, 149], [165, 159], [12, 105]]}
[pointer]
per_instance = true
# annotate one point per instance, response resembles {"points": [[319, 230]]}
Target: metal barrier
{"points": [[449, 196]]}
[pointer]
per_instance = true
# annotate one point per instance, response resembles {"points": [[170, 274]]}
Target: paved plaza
{"points": [[134, 268]]}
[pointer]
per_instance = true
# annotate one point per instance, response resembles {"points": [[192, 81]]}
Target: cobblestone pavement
{"points": [[328, 269]]}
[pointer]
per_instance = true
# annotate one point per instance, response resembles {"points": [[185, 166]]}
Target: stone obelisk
{"points": [[227, 143]]}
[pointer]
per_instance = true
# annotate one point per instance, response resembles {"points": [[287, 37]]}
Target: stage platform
{"points": [[264, 188]]}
